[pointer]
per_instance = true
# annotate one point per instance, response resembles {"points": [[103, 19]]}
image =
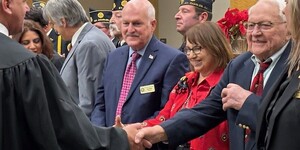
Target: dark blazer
{"points": [[37, 111], [209, 113], [54, 38], [284, 122], [161, 66]]}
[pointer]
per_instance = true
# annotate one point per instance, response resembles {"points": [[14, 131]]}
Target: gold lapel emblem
{"points": [[147, 89], [297, 94]]}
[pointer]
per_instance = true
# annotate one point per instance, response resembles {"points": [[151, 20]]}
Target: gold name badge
{"points": [[147, 89], [297, 94]]}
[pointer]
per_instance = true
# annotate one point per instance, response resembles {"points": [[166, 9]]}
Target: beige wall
{"points": [[167, 10]]}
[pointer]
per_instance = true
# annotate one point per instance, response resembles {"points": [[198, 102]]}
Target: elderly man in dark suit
{"points": [[91, 46], [159, 67], [237, 96]]}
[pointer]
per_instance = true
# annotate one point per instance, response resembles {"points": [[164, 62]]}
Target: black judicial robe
{"points": [[35, 111]]}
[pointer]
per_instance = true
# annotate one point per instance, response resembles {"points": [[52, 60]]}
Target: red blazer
{"points": [[186, 94]]}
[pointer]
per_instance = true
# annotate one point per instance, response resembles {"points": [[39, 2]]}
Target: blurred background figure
{"points": [[205, 43], [34, 38], [116, 22], [101, 18], [38, 4], [36, 14]]}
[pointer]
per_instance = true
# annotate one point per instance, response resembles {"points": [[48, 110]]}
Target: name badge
{"points": [[297, 95], [147, 89]]}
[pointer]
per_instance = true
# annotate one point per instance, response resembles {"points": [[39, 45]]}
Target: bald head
{"points": [[143, 5], [138, 23]]}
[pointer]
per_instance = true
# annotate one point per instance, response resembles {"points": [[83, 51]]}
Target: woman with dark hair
{"points": [[34, 38], [208, 52]]}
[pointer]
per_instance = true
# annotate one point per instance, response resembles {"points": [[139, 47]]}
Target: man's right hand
{"points": [[153, 135]]}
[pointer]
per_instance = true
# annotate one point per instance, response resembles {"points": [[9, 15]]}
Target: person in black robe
{"points": [[36, 113]]}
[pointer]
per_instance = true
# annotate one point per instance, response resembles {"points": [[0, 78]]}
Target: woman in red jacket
{"points": [[208, 52]]}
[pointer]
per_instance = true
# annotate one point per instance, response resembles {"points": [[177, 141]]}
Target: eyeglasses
{"points": [[263, 25], [196, 50]]}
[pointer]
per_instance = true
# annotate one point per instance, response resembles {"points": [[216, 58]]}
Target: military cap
{"points": [[38, 4], [119, 4], [100, 15], [203, 4]]}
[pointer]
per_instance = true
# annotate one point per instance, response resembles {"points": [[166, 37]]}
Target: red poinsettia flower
{"points": [[233, 23]]}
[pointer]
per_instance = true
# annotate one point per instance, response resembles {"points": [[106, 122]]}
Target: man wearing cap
{"points": [[59, 45], [100, 19], [116, 21], [192, 12]]}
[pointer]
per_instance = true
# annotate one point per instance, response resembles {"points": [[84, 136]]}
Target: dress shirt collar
{"points": [[48, 33], [77, 33], [275, 57], [3, 29], [141, 52]]}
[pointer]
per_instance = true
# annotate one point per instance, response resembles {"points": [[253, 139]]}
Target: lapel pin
{"points": [[150, 56], [297, 94]]}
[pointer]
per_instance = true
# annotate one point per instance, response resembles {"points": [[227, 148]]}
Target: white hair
{"points": [[280, 3]]}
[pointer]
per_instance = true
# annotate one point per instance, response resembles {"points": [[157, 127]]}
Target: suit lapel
{"points": [[278, 70], [146, 62], [247, 72], [277, 77], [286, 96], [84, 31]]}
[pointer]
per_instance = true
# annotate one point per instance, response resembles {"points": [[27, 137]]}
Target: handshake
{"points": [[140, 138]]}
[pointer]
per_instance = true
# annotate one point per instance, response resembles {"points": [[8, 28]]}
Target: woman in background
{"points": [[34, 39], [208, 52]]}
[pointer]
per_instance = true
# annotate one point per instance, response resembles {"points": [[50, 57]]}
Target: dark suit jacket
{"points": [[54, 38], [284, 122], [37, 111], [209, 113], [161, 66]]}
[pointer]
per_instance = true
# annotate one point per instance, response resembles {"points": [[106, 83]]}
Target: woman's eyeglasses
{"points": [[196, 50]]}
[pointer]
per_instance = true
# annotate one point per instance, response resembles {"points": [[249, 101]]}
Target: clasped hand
{"points": [[132, 130]]}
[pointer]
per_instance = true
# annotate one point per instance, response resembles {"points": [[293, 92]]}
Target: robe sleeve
{"points": [[37, 112]]}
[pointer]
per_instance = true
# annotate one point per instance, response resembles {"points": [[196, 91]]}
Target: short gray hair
{"points": [[71, 10]]}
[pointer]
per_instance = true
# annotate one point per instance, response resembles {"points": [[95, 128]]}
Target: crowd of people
{"points": [[116, 86]]}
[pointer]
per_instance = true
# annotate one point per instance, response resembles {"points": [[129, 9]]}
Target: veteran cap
{"points": [[119, 4], [203, 4], [100, 15], [38, 4]]}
